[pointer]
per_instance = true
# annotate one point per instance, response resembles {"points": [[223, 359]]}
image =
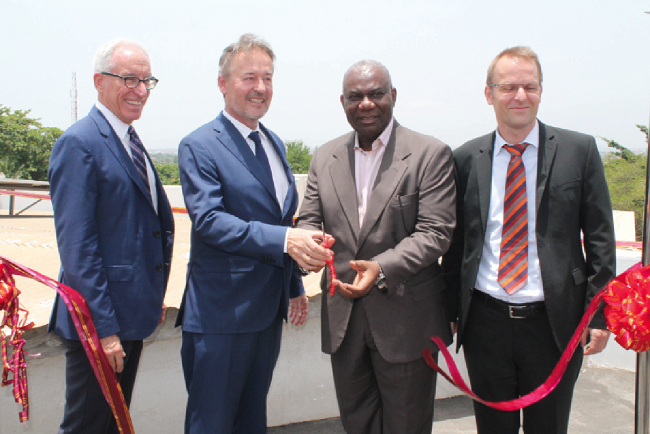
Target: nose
{"points": [[260, 86], [366, 103], [141, 89], [521, 93]]}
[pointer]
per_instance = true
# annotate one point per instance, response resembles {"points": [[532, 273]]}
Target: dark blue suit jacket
{"points": [[115, 250], [238, 276]]}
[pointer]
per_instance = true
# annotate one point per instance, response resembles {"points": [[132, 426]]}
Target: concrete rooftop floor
{"points": [[603, 403]]}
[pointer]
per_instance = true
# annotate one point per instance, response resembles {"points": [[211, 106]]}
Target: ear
{"points": [[98, 78], [394, 94], [343, 101], [222, 85], [488, 94]]}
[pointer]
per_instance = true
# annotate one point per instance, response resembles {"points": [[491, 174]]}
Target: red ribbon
{"points": [[83, 322], [627, 310], [327, 243], [14, 364], [532, 397]]}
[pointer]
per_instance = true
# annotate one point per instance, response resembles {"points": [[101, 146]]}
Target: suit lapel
{"points": [[289, 207], [545, 158], [116, 146], [232, 139], [390, 173], [342, 172], [484, 177]]}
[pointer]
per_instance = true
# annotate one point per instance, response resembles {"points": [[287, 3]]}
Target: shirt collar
{"points": [[532, 139], [243, 129], [383, 138], [120, 128]]}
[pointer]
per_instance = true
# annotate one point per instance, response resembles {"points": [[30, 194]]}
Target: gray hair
{"points": [[246, 43], [103, 61], [518, 52], [364, 67]]}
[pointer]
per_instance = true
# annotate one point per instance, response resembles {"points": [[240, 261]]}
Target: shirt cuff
{"points": [[286, 239]]}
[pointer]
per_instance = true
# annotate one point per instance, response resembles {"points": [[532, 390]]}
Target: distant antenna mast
{"points": [[73, 97]]}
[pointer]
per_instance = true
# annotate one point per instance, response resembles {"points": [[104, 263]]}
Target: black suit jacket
{"points": [[571, 198]]}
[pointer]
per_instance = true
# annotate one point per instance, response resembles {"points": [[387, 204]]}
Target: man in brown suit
{"points": [[387, 195]]}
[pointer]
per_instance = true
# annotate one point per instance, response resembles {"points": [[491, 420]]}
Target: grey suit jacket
{"points": [[407, 227], [571, 199]]}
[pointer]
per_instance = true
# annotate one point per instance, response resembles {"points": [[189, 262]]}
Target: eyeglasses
{"points": [[133, 82], [510, 88]]}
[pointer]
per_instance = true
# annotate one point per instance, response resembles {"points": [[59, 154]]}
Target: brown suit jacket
{"points": [[408, 226]]}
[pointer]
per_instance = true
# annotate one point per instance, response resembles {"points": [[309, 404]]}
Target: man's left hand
{"points": [[298, 310], [597, 340], [367, 272]]}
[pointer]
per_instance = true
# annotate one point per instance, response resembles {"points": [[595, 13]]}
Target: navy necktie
{"points": [[261, 156], [137, 154]]}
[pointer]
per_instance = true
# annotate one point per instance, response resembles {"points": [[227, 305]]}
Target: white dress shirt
{"points": [[122, 131], [488, 271], [366, 166]]}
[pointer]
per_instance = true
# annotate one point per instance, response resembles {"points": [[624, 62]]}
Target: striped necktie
{"points": [[137, 154], [513, 260]]}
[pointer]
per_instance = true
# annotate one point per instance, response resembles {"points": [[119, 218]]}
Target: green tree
{"points": [[298, 155], [25, 145], [168, 173], [625, 172]]}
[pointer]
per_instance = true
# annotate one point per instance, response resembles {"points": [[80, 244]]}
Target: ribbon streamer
{"points": [[83, 322], [532, 397], [14, 364]]}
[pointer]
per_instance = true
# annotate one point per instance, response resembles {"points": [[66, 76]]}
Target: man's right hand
{"points": [[303, 247], [114, 353]]}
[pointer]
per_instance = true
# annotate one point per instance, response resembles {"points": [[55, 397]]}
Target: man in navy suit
{"points": [[115, 233], [241, 278], [523, 292]]}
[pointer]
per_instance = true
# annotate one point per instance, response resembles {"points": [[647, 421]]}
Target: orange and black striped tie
{"points": [[513, 260]]}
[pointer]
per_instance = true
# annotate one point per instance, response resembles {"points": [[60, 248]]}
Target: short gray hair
{"points": [[246, 43], [103, 61], [364, 66]]}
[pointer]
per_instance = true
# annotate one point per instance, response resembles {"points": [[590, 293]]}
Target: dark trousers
{"points": [[508, 358], [374, 395], [227, 377], [86, 410]]}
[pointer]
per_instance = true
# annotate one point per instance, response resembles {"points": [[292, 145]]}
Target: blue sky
{"points": [[594, 56]]}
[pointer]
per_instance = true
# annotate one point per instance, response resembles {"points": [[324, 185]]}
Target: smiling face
{"points": [[248, 87], [516, 112], [368, 101], [125, 103]]}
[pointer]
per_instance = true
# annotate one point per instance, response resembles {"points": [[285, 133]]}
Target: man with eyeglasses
{"points": [[530, 197], [115, 233]]}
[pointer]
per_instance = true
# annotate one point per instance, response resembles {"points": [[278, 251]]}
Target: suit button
{"points": [[159, 267], [156, 234]]}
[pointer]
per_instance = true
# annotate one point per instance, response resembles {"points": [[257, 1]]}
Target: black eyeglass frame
{"points": [[153, 80]]}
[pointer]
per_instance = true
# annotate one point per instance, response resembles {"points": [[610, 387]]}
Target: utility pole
{"points": [[73, 97]]}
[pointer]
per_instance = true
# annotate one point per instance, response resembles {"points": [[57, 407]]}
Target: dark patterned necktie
{"points": [[513, 260], [261, 156], [137, 154]]}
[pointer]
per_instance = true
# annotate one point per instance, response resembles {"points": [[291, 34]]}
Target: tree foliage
{"points": [[25, 145], [168, 173], [626, 178], [298, 155]]}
